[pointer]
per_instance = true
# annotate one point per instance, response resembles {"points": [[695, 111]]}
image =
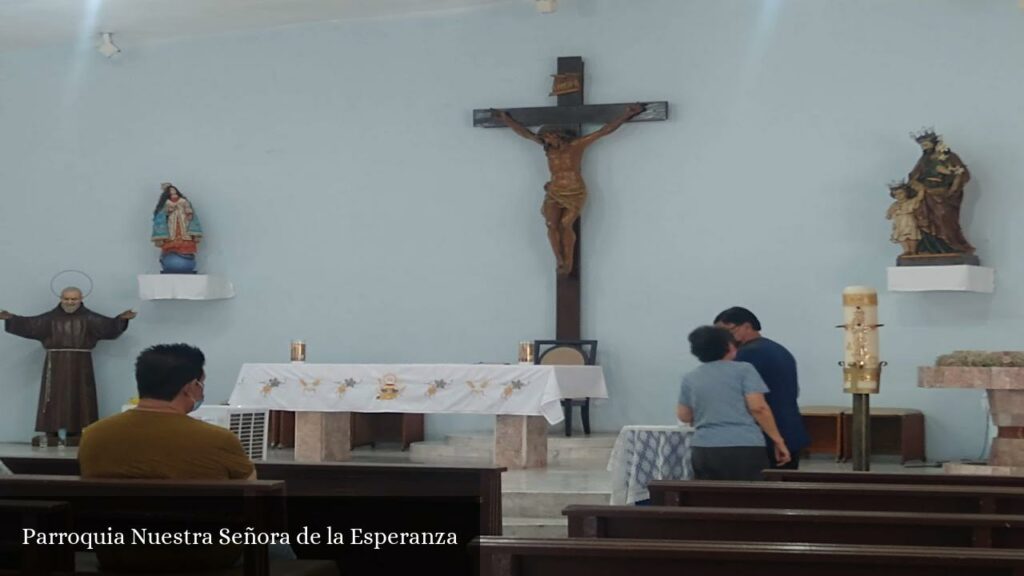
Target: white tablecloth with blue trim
{"points": [[645, 453]]}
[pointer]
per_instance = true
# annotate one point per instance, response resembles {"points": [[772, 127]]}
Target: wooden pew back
{"points": [[582, 556], [481, 484], [777, 475], [99, 505], [838, 496], [38, 515], [809, 526]]}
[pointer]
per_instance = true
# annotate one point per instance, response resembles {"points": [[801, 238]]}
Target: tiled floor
{"points": [[878, 465]]}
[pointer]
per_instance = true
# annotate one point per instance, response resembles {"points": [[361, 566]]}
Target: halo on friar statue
{"points": [[71, 278]]}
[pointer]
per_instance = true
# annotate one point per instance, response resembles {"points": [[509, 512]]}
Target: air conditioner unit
{"points": [[251, 425]]}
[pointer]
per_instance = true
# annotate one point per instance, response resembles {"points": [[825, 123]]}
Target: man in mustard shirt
{"points": [[158, 439]]}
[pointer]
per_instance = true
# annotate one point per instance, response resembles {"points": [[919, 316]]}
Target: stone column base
{"points": [[520, 441], [323, 436]]}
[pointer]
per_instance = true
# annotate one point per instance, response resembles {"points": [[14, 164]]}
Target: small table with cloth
{"points": [[645, 453]]}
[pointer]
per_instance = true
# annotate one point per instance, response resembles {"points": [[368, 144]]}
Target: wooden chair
{"points": [[568, 353]]}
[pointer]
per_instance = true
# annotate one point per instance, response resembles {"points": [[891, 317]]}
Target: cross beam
{"points": [[583, 114]]}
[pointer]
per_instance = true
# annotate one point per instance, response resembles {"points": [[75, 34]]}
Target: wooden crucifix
{"points": [[565, 194]]}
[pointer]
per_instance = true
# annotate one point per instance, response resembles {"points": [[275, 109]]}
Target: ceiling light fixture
{"points": [[107, 46]]}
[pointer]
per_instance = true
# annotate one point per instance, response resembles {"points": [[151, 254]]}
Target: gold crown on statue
{"points": [[925, 134], [897, 185]]}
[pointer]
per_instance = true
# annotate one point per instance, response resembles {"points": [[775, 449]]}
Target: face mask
{"points": [[197, 403]]}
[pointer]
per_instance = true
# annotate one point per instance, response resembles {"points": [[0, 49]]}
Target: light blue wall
{"points": [[346, 194]]}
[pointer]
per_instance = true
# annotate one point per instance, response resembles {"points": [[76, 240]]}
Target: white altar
{"points": [[526, 398]]}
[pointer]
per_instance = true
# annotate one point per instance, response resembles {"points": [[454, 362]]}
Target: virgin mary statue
{"points": [[176, 231]]}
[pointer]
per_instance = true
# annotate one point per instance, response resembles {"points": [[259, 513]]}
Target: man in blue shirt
{"points": [[777, 368], [724, 400]]}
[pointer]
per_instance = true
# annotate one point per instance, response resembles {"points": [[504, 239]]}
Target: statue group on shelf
{"points": [[925, 213]]}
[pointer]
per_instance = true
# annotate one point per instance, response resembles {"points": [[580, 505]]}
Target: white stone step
{"points": [[516, 504], [437, 451], [535, 527], [592, 451], [555, 441], [570, 453]]}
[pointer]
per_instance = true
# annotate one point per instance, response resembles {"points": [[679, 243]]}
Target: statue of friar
{"points": [[69, 332]]}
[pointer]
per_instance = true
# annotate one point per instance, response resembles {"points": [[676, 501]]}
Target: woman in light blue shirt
{"points": [[724, 400]]}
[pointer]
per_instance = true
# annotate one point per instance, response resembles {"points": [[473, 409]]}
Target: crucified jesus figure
{"points": [[565, 193]]}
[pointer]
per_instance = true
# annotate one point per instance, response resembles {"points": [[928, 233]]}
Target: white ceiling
{"points": [[32, 23]]}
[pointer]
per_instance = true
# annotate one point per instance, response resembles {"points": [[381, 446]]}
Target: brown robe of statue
{"points": [[67, 397], [941, 177]]}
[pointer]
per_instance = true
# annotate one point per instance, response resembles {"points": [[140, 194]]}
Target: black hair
{"points": [[710, 343], [165, 196], [564, 135], [161, 371], [738, 316]]}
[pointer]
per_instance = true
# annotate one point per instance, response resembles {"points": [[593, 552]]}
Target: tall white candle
{"points": [[860, 338]]}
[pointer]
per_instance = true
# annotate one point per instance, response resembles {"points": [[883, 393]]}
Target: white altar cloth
{"points": [[514, 389]]}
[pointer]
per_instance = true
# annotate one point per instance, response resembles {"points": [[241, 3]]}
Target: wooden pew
{"points": [[838, 496], [43, 516], [777, 475], [392, 497], [584, 556], [480, 484], [97, 505], [808, 526], [41, 465]]}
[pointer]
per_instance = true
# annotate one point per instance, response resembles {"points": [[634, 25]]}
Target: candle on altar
{"points": [[860, 339], [298, 350], [526, 352]]}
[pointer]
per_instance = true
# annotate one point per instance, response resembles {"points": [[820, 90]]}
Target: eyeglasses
{"points": [[732, 331]]}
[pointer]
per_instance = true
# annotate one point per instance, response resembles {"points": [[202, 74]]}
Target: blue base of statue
{"points": [[172, 263]]}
